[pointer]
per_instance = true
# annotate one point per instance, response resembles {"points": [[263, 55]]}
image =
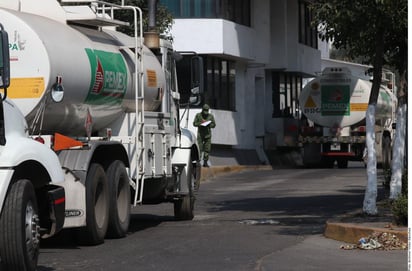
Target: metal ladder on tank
{"points": [[139, 125], [105, 16], [139, 131]]}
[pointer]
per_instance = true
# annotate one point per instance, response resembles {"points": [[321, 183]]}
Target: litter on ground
{"points": [[378, 241]]}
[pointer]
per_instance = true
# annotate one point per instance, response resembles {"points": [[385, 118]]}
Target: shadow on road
{"points": [[298, 215], [67, 239], [140, 222]]}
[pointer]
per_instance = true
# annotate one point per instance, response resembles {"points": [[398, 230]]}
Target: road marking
{"points": [[259, 222]]}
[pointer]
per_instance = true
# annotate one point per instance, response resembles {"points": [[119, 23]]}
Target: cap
{"points": [[205, 107]]}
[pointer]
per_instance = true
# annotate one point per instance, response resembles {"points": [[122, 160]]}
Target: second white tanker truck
{"points": [[334, 105], [109, 108]]}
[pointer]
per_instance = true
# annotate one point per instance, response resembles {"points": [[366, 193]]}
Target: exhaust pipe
{"points": [[151, 37]]}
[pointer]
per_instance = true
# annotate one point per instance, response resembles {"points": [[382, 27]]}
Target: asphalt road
{"points": [[253, 220]]}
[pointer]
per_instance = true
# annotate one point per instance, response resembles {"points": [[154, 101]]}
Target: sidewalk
{"points": [[349, 228]]}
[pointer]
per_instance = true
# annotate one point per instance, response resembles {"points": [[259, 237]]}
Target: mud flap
{"points": [[56, 200]]}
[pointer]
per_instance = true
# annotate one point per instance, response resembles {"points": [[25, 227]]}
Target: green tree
{"points": [[377, 31], [164, 19]]}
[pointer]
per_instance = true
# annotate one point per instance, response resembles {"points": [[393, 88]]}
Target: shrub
{"points": [[405, 182], [400, 205], [400, 210]]}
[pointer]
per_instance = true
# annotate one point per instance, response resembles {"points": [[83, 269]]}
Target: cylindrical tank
{"points": [[94, 69], [337, 99]]}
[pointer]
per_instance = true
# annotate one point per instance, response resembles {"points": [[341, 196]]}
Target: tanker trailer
{"points": [[108, 106], [335, 105]]}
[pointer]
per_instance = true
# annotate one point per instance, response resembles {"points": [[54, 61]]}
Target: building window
{"points": [[237, 11], [307, 32], [286, 88], [219, 80]]}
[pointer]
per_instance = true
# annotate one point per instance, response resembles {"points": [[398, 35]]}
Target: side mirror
{"points": [[4, 59], [191, 65], [195, 91], [57, 90], [194, 98], [196, 65], [196, 80]]}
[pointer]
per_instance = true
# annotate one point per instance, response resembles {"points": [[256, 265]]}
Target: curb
{"points": [[208, 173], [351, 233]]}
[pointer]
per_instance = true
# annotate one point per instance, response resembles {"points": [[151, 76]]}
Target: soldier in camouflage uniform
{"points": [[205, 122]]}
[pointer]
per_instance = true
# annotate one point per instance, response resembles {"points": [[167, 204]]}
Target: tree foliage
{"points": [[373, 29], [164, 19], [358, 25]]}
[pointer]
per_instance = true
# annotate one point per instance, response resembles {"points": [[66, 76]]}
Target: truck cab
{"points": [[31, 202]]}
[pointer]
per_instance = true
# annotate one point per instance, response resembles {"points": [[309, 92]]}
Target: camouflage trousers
{"points": [[205, 145]]}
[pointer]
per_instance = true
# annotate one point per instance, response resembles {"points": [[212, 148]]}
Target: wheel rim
{"points": [[32, 230]]}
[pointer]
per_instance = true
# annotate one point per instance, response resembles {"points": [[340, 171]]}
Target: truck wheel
{"points": [[19, 228], [342, 163], [119, 200], [97, 207], [327, 162], [183, 208], [386, 153]]}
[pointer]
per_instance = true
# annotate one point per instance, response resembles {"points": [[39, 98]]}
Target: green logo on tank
{"points": [[108, 77], [335, 100]]}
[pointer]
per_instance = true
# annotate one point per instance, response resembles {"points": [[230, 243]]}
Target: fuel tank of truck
{"points": [[339, 99], [75, 73]]}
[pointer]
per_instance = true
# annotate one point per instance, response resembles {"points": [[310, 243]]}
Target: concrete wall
{"points": [[214, 36], [286, 52]]}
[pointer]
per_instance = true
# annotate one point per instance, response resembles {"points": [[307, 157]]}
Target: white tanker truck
{"points": [[107, 105], [335, 105]]}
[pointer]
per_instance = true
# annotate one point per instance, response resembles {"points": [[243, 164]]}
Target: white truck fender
{"points": [[187, 153], [188, 141], [21, 149]]}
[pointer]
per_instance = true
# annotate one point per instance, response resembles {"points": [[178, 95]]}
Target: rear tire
{"points": [[119, 200], [342, 163], [183, 208], [386, 153], [327, 162], [97, 207], [20, 228]]}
